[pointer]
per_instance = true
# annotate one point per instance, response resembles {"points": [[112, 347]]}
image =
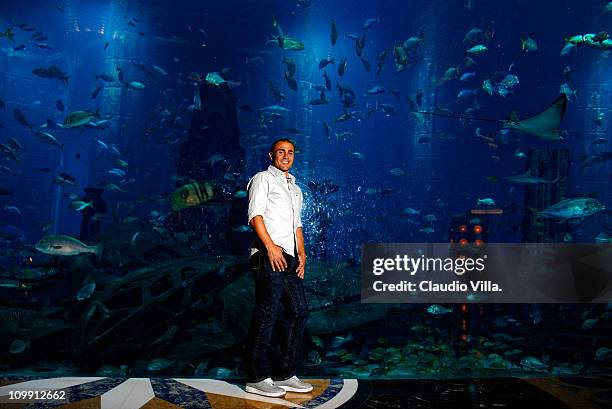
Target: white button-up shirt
{"points": [[278, 199]]}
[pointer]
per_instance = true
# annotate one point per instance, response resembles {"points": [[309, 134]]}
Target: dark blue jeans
{"points": [[272, 288]]}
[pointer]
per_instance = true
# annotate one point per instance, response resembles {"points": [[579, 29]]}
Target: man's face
{"points": [[282, 157]]}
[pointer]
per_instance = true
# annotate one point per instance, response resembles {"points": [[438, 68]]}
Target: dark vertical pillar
{"points": [[212, 152], [551, 164]]}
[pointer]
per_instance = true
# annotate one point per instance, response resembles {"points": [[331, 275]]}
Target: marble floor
{"points": [[167, 393]]}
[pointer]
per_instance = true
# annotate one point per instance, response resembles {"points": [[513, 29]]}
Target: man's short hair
{"points": [[281, 140]]}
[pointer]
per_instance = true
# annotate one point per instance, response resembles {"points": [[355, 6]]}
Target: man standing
{"points": [[277, 262]]}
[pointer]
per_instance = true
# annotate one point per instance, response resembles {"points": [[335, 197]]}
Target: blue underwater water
{"points": [[108, 108]]}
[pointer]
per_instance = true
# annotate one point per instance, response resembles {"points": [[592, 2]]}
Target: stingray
{"points": [[546, 124]]}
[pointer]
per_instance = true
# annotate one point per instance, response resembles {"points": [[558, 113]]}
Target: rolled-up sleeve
{"points": [[258, 189]]}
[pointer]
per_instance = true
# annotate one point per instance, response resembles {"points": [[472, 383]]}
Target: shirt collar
{"points": [[279, 173]]}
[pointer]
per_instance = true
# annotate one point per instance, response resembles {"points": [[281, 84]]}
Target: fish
{"points": [[388, 109], [117, 172], [572, 208], [12, 209], [64, 179], [79, 205], [366, 63], [466, 93], [528, 44], [288, 43], [377, 89], [328, 84], [319, 101], [62, 245], [134, 85], [546, 124], [401, 58], [369, 23], [342, 67], [275, 92], [144, 68], [567, 49], [409, 211], [18, 346], [214, 159], [47, 138], [412, 42], [380, 60], [589, 323], [20, 117], [96, 91], [275, 108], [528, 179], [15, 144], [158, 364], [473, 35], [603, 353], [159, 70], [430, 218], [533, 363], [325, 62], [79, 118], [86, 291], [326, 127], [104, 77], [359, 44], [339, 340], [51, 72], [334, 33], [8, 33], [599, 41], [291, 82], [290, 63], [487, 86], [467, 76], [437, 309], [358, 155], [486, 201], [192, 194], [254, 60], [477, 49]]}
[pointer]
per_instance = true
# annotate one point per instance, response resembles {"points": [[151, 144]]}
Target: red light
{"points": [[478, 229], [463, 242], [462, 229], [463, 337], [464, 308], [478, 242]]}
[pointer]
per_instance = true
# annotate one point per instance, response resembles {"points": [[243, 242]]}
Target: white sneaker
{"points": [[265, 388], [294, 384]]}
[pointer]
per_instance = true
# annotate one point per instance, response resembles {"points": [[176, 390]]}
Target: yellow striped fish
{"points": [[192, 194]]}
